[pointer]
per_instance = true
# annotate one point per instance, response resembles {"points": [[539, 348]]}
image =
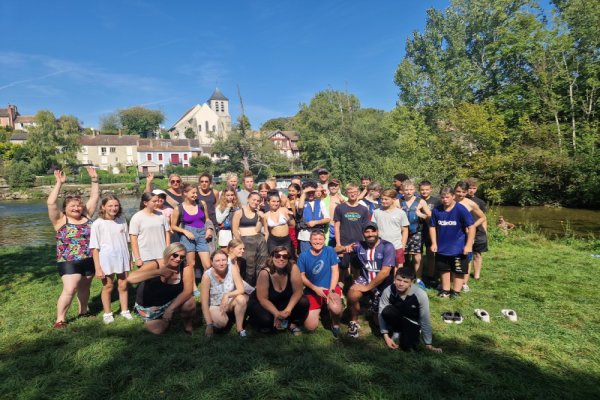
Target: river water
{"points": [[27, 223]]}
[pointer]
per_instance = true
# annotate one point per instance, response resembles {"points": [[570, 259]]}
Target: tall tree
{"points": [[110, 123], [141, 121]]}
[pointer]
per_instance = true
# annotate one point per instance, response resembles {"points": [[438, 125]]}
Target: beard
{"points": [[371, 240]]}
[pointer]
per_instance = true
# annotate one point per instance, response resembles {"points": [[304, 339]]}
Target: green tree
{"points": [[202, 163], [141, 121], [189, 133], [110, 123], [20, 175], [274, 124]]}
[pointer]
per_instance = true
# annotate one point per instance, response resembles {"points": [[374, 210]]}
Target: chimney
{"points": [[120, 132]]}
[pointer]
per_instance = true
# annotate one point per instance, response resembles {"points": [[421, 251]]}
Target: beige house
{"points": [[10, 117], [108, 151], [286, 142]]}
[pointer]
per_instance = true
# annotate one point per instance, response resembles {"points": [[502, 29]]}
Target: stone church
{"points": [[208, 121]]}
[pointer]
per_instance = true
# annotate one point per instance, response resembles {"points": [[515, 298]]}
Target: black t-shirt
{"points": [[352, 220], [479, 232]]}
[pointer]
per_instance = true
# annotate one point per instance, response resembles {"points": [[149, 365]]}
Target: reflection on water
{"points": [[27, 223]]}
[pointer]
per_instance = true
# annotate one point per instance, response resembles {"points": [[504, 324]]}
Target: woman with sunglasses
{"points": [[149, 232], [173, 192], [278, 221], [246, 226], [278, 301], [226, 207], [75, 264], [223, 294], [165, 288]]}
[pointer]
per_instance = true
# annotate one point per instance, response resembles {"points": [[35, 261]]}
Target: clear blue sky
{"points": [[89, 58]]}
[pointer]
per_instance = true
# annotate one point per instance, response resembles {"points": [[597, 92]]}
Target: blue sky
{"points": [[88, 59]]}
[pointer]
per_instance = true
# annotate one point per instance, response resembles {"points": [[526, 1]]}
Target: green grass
{"points": [[551, 352]]}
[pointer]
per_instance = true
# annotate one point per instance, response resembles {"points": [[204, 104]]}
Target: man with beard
{"points": [[377, 258]]}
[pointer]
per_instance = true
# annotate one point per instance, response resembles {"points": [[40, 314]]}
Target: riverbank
{"points": [[551, 352], [42, 192]]}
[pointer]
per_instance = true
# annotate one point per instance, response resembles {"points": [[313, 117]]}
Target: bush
{"points": [[20, 175]]}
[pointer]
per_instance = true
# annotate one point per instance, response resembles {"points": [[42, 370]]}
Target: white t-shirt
{"points": [[110, 238], [390, 225], [150, 230]]}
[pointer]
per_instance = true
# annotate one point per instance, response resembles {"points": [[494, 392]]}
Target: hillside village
{"points": [[207, 121]]}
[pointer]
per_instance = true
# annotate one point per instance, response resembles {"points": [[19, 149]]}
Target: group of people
{"points": [[273, 261]]}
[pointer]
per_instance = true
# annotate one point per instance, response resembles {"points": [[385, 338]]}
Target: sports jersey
{"points": [[374, 259], [318, 268], [450, 228]]}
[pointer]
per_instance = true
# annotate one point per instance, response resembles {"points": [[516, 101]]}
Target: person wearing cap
{"points": [[377, 257], [314, 215], [160, 204], [323, 174], [333, 199], [404, 310]]}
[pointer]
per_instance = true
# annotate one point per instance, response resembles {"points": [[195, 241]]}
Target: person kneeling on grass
{"points": [[320, 273], [404, 310], [222, 291], [163, 290]]}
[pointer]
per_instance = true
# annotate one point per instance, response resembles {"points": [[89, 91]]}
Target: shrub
{"points": [[20, 175]]}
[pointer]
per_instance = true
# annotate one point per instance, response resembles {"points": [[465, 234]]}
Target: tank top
{"points": [[283, 297], [73, 240], [211, 201], [155, 292], [218, 289], [246, 222], [194, 220], [178, 198]]}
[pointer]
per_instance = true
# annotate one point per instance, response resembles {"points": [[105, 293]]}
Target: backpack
{"points": [[413, 218]]}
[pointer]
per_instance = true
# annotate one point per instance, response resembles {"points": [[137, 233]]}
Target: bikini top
{"points": [[246, 222], [282, 221]]}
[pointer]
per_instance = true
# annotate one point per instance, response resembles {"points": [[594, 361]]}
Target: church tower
{"points": [[220, 105]]}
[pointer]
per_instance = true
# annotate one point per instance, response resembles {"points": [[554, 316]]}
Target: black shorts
{"points": [[480, 247], [456, 264], [413, 244], [83, 267]]}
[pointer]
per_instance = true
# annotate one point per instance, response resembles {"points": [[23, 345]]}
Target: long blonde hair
{"points": [[172, 249]]}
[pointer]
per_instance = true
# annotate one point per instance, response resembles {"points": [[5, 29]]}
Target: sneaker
{"points": [[482, 315], [127, 315], [335, 331], [108, 318], [421, 284], [353, 328], [444, 294], [454, 295], [243, 333], [458, 318], [466, 288], [448, 317]]}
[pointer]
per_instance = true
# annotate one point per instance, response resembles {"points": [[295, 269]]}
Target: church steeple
{"points": [[219, 103]]}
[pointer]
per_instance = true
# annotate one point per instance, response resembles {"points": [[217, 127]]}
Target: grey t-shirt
{"points": [[243, 196], [390, 225], [150, 230]]}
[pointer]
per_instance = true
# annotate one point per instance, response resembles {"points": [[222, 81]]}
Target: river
{"points": [[26, 222]]}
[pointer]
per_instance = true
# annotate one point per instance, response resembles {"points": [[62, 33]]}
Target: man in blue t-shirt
{"points": [[452, 232], [377, 258], [320, 273]]}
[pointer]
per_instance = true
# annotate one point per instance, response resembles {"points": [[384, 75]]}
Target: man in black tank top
{"points": [[208, 195]]}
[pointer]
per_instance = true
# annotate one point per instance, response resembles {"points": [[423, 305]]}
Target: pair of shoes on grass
{"points": [[108, 318], [485, 316], [452, 317], [448, 294]]}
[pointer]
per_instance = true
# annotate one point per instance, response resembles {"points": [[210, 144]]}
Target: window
{"points": [[149, 156], [199, 128], [160, 156], [103, 151], [206, 125], [185, 156], [113, 149], [214, 128]]}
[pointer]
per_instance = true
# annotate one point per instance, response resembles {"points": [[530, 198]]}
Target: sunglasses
{"points": [[281, 256], [73, 197], [175, 181], [178, 256]]}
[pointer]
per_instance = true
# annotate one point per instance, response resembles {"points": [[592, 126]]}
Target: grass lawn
{"points": [[551, 352]]}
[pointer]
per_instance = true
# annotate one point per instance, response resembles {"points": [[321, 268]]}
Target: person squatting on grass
{"points": [[278, 301], [320, 273], [110, 251], [165, 288], [223, 295], [74, 262], [404, 310]]}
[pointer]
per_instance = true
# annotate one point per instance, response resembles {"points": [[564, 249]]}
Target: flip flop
{"points": [[510, 314], [448, 317], [482, 315]]}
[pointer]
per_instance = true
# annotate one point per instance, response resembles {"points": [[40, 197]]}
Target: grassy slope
{"points": [[550, 353]]}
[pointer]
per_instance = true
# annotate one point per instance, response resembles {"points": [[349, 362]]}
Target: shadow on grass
{"points": [[27, 263], [89, 360]]}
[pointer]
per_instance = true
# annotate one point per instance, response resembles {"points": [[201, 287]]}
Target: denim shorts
{"points": [[153, 312], [199, 244]]}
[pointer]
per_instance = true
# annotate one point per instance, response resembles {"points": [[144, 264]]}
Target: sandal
{"points": [[482, 315], [296, 331], [60, 325], [510, 314]]}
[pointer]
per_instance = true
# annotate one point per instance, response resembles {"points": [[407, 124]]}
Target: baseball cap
{"points": [[158, 192], [334, 182], [322, 171], [370, 225]]}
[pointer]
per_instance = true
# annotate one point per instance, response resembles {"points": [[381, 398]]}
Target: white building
{"points": [[207, 121], [155, 154]]}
